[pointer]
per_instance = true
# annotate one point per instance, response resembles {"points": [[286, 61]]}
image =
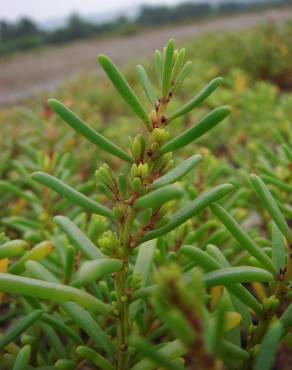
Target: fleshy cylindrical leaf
{"points": [[89, 133], [22, 358], [146, 84], [198, 99], [12, 248], [71, 194], [197, 130], [269, 202], [242, 237], [91, 271], [178, 172], [196, 206], [51, 291], [78, 238], [167, 68], [20, 327], [123, 88], [232, 275], [158, 197]]}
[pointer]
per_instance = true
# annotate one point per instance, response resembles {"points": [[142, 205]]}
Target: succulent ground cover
{"points": [[145, 223]]}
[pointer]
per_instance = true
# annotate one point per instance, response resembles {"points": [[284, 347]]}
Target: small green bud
{"points": [[122, 185], [136, 184], [171, 257], [108, 243], [134, 170], [136, 149], [154, 147], [145, 171], [103, 287]]}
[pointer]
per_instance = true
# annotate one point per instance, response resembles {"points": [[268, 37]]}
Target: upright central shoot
{"points": [[144, 202], [145, 198]]}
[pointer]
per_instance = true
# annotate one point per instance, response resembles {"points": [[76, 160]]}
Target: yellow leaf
{"points": [[216, 293], [259, 291], [232, 320], [3, 264]]}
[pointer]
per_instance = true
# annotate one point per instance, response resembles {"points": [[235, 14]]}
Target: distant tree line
{"points": [[26, 34]]}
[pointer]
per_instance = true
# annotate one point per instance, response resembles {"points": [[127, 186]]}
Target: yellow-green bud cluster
{"points": [[270, 303], [159, 136], [139, 173], [108, 243], [104, 175], [97, 225], [134, 281]]}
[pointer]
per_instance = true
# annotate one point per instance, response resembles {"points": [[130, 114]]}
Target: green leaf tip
{"points": [[197, 130], [86, 131], [122, 86], [71, 194], [198, 99]]}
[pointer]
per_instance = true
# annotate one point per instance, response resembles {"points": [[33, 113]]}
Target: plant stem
{"points": [[122, 299]]}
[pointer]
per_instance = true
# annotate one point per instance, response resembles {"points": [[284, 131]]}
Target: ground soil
{"points": [[25, 74]]}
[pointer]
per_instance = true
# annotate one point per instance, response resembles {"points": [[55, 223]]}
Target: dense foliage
{"points": [[173, 256]]}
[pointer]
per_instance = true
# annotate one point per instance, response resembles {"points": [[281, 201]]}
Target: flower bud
{"points": [[136, 184], [145, 171], [136, 149], [134, 170]]}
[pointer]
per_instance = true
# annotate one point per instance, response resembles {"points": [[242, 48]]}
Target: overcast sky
{"points": [[42, 10]]}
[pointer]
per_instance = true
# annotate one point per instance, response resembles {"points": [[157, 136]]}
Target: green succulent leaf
{"points": [[37, 253], [89, 133], [71, 194], [178, 172], [286, 318], [162, 357], [83, 319], [91, 271], [178, 63], [123, 88], [12, 248], [158, 66], [233, 275], [242, 237], [158, 197], [146, 84], [269, 347], [21, 327], [192, 209], [208, 263], [57, 324], [167, 68], [197, 100], [269, 202], [94, 357], [204, 125], [184, 72], [38, 271], [22, 358], [78, 238], [279, 249], [15, 190], [200, 257], [51, 291]]}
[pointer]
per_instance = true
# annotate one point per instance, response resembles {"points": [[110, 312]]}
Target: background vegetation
{"points": [[27, 34], [256, 137]]}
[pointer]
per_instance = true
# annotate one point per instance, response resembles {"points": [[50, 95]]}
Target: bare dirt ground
{"points": [[28, 73]]}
